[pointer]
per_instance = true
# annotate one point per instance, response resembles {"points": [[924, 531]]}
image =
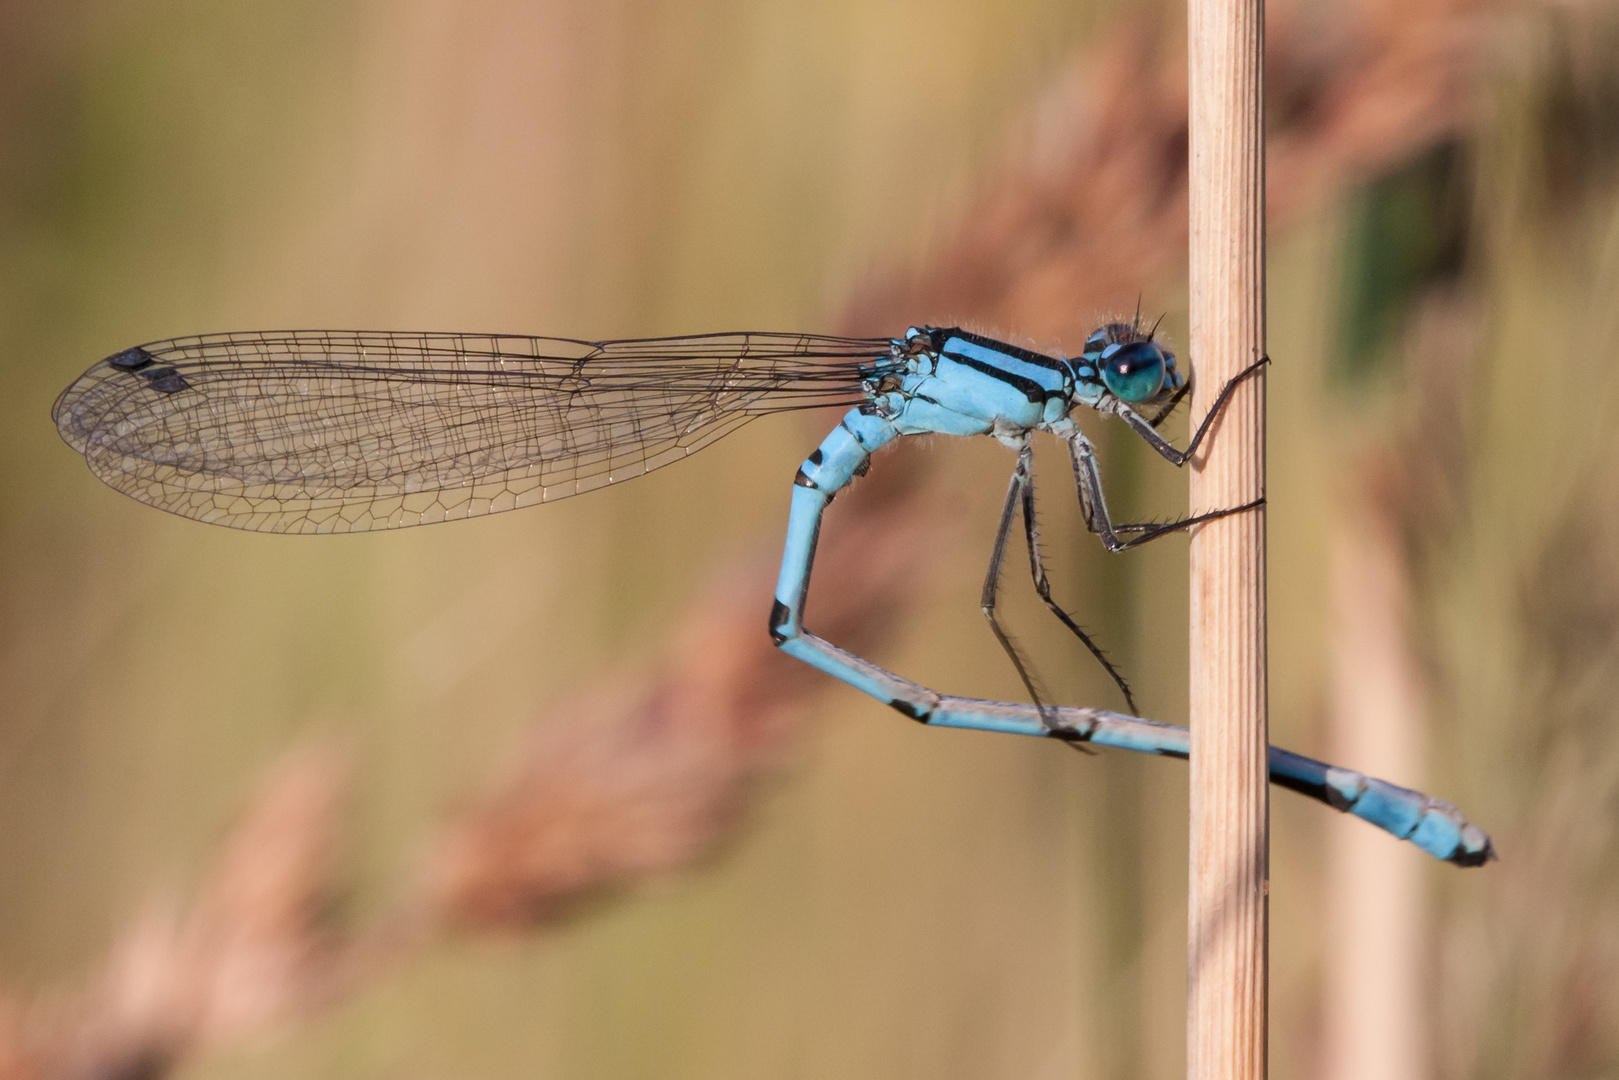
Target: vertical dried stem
{"points": [[1230, 841]]}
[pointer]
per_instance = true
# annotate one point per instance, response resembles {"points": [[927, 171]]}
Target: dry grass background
{"points": [[898, 902]]}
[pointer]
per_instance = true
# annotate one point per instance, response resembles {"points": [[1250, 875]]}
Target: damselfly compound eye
{"points": [[1133, 372]]}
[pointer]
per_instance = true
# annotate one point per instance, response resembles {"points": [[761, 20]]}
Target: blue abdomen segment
{"points": [[841, 457], [1434, 825], [843, 454]]}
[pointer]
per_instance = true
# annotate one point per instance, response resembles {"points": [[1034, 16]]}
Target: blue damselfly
{"points": [[343, 431]]}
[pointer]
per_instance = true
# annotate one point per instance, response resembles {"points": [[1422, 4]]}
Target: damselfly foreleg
{"points": [[1148, 429]]}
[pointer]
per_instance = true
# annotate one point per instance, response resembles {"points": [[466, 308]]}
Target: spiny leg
{"points": [[1148, 429], [1088, 479], [1015, 494], [1042, 585]]}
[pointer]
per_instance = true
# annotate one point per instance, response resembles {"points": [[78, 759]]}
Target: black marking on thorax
{"points": [[1028, 356], [1030, 389], [1036, 394]]}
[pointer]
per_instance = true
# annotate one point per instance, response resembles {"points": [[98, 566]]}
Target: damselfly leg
{"points": [[1093, 504], [1020, 495], [1148, 429], [992, 579]]}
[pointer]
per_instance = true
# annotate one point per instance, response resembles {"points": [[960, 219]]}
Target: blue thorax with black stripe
{"points": [[954, 382]]}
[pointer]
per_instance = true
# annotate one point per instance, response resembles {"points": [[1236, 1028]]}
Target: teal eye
{"points": [[1133, 372]]}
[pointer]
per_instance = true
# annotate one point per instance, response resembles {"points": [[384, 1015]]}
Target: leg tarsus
{"points": [[1152, 531]]}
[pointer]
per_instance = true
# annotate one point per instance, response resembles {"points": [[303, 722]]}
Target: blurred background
{"points": [[532, 796]]}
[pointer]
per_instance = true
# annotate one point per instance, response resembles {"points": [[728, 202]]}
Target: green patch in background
{"points": [[1405, 233]]}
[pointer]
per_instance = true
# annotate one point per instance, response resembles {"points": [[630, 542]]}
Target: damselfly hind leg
{"points": [[1020, 495], [1023, 491], [992, 578]]}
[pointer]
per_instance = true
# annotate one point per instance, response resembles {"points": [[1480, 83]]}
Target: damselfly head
{"points": [[1131, 364]]}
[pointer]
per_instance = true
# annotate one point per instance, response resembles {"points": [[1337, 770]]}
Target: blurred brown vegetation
{"points": [[1458, 162]]}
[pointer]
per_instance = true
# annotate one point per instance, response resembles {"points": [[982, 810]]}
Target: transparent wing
{"points": [[323, 431]]}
